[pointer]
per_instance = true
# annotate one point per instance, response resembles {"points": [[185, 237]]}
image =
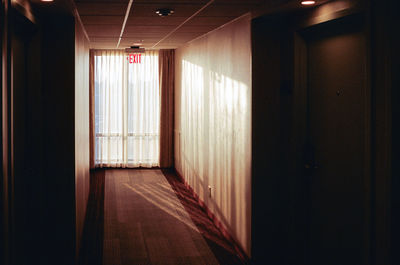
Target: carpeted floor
{"points": [[142, 216]]}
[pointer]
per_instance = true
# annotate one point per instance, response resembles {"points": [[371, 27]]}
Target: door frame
{"points": [[300, 103], [6, 235], [16, 18], [278, 87], [379, 18]]}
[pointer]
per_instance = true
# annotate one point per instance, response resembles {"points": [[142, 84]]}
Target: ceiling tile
{"points": [[149, 10], [104, 39], [94, 2], [145, 21], [103, 30], [225, 10], [172, 2], [199, 28], [147, 29], [215, 21], [102, 20], [100, 9], [244, 2], [181, 37]]}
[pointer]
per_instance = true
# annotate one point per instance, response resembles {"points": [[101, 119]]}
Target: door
{"points": [[336, 149], [25, 181]]}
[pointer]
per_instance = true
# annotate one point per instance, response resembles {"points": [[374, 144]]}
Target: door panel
{"points": [[336, 65], [26, 190]]}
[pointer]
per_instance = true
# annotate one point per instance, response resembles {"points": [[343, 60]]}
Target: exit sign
{"points": [[134, 58]]}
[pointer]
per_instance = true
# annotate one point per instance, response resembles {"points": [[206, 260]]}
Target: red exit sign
{"points": [[134, 58]]}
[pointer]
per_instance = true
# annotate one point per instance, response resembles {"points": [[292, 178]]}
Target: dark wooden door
{"points": [[26, 190], [336, 143]]}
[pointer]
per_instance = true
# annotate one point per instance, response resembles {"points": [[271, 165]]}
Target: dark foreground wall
{"points": [[45, 168], [58, 129], [394, 20], [278, 213]]}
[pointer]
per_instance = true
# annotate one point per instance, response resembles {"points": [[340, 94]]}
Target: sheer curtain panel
{"points": [[127, 110]]}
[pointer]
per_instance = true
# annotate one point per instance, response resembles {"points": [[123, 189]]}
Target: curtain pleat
{"points": [[126, 110], [91, 111], [166, 77]]}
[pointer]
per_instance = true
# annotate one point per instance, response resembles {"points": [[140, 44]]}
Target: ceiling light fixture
{"points": [[307, 3], [47, 0], [164, 12], [135, 49]]}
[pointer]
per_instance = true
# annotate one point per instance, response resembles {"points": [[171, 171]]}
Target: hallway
{"points": [[135, 217], [233, 132]]}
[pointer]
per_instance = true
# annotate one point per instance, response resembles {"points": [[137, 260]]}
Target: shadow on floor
{"points": [[91, 251], [222, 248]]}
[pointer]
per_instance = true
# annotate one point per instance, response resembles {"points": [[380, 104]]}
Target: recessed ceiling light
{"points": [[164, 12], [307, 3], [47, 0]]}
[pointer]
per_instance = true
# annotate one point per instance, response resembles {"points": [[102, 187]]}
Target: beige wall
{"points": [[81, 127], [213, 123]]}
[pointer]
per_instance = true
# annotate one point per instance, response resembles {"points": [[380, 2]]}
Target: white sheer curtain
{"points": [[127, 110]]}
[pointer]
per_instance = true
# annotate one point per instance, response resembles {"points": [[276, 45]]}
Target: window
{"points": [[127, 110]]}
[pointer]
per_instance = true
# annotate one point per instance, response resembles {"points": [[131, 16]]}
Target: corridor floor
{"points": [[136, 216]]}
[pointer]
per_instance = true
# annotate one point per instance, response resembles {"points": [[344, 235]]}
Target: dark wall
{"points": [[268, 185], [3, 238], [42, 128], [58, 73], [386, 145], [39, 156], [26, 139], [394, 21], [278, 207]]}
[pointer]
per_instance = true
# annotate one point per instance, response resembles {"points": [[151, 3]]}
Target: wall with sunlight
{"points": [[213, 123], [81, 127]]}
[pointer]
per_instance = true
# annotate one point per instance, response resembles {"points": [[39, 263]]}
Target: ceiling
{"points": [[103, 20]]}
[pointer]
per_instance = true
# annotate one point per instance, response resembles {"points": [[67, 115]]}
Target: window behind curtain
{"points": [[127, 110]]}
